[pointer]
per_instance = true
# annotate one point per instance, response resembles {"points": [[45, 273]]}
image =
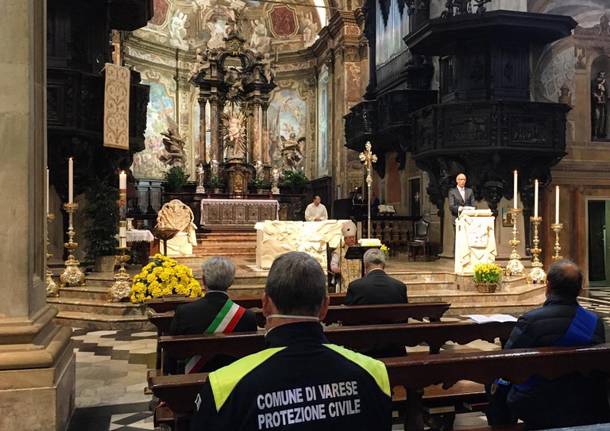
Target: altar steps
{"points": [[233, 243]]}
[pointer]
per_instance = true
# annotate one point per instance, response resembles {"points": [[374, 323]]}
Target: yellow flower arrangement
{"points": [[487, 273], [385, 249], [164, 276]]}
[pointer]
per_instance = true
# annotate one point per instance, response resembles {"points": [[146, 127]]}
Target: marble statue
{"points": [[292, 153], [259, 168], [177, 215], [217, 34], [174, 153], [200, 178], [275, 175], [268, 71], [599, 96], [259, 41], [234, 125], [309, 30], [201, 62], [177, 31]]}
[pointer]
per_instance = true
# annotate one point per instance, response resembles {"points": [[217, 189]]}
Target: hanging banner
{"points": [[116, 107]]}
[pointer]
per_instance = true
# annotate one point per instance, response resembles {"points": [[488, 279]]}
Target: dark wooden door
{"points": [[597, 221]]}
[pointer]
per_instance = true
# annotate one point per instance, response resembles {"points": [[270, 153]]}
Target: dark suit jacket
{"points": [[195, 317], [456, 201], [376, 288]]}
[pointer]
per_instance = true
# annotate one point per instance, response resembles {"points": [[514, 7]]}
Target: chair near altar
{"points": [[177, 215]]}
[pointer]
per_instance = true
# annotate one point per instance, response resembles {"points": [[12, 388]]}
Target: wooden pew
{"points": [[416, 372], [358, 338], [347, 314], [162, 305]]}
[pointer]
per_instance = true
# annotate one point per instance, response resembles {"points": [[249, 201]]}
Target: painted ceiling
{"points": [[268, 26]]}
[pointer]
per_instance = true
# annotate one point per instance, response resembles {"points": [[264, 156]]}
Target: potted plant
{"points": [[175, 179], [487, 277], [294, 181], [216, 183], [100, 233], [261, 185]]}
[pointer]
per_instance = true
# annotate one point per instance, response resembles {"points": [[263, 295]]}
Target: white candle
{"points": [[122, 232], [556, 204], [536, 198], [122, 181], [123, 242], [515, 189], [48, 190], [70, 180]]}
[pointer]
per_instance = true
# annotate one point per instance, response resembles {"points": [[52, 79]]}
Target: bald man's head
{"points": [[564, 278]]}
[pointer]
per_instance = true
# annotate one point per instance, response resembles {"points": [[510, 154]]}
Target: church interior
{"points": [[142, 138]]}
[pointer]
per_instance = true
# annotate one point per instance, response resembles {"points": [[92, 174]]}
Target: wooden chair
{"points": [[420, 239]]}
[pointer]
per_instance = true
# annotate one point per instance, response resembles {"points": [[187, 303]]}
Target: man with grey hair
{"points": [[214, 313], [376, 287], [300, 381]]}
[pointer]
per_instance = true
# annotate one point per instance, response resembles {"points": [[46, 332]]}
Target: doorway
{"points": [[599, 222]]}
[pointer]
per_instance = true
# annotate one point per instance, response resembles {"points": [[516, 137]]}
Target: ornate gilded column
{"points": [[202, 129], [265, 133], [215, 121]]}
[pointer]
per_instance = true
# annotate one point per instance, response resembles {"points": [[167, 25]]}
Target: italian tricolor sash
{"points": [[225, 322]]}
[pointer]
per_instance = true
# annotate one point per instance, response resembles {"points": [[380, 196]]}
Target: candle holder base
{"points": [[122, 281], [557, 228], [72, 275], [51, 287], [514, 266], [537, 274]]}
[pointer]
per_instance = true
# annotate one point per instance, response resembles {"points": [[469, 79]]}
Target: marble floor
{"points": [[111, 375]]}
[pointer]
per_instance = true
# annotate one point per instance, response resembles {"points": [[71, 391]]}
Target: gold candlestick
{"points": [[72, 275], [52, 289], [122, 281], [537, 274], [514, 266], [368, 158], [557, 228]]}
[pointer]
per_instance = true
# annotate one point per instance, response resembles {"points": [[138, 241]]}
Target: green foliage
{"points": [[102, 219], [260, 183], [294, 179], [175, 179], [216, 182]]}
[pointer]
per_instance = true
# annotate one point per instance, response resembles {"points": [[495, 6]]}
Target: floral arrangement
{"points": [[385, 249], [161, 277], [487, 273]]}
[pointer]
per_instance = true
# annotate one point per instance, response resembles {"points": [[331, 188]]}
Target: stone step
{"points": [[97, 306], [93, 321], [88, 292], [226, 238]]}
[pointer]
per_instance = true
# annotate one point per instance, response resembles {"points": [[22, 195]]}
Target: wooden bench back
{"points": [[346, 314]]}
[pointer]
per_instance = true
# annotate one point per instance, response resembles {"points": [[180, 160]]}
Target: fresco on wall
{"points": [[146, 163], [283, 21], [160, 7], [287, 123]]}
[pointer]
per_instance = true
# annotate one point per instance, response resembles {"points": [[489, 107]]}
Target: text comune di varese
{"points": [[327, 400]]}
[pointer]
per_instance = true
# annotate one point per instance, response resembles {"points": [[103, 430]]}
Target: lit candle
{"points": [[556, 204], [70, 180], [536, 198], [515, 188], [122, 181], [123, 242], [48, 190]]}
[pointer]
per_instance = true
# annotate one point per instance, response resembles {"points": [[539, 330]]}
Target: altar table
{"points": [[274, 238], [475, 240], [238, 211]]}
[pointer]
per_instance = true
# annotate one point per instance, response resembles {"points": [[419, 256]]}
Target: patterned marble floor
{"points": [[111, 375]]}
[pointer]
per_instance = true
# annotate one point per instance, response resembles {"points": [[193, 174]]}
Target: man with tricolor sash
{"points": [[570, 400], [301, 381], [215, 313]]}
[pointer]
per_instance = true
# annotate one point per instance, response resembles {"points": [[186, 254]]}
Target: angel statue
{"points": [[201, 62], [292, 153], [173, 154], [177, 31]]}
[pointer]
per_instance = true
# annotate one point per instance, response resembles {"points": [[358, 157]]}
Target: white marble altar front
{"points": [[275, 237], [475, 240]]}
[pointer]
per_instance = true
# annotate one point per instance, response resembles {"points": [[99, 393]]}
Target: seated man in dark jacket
{"points": [[376, 287], [214, 313], [570, 400], [300, 381]]}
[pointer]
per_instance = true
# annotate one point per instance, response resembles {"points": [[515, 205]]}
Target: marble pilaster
{"points": [[36, 358]]}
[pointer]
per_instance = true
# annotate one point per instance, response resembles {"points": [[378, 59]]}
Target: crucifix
{"points": [[368, 158]]}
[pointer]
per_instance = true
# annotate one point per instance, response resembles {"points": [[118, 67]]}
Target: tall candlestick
{"points": [[70, 181], [515, 206], [556, 204], [48, 187], [122, 181], [535, 198]]}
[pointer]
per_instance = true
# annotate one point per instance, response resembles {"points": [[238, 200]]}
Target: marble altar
{"points": [[238, 211], [277, 237], [475, 240]]}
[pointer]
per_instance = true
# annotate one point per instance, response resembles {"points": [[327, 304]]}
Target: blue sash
{"points": [[579, 333]]}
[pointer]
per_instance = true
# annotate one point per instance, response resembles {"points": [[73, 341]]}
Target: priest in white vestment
{"points": [[316, 211]]}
